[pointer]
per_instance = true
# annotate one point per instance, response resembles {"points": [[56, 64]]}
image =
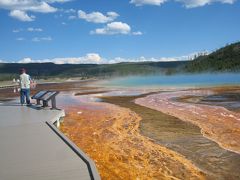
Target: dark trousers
{"points": [[25, 94]]}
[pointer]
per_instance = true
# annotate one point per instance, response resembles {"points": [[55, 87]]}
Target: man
{"points": [[25, 82]]}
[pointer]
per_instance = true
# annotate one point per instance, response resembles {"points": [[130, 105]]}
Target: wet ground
{"points": [[110, 135], [229, 100], [165, 130], [185, 138]]}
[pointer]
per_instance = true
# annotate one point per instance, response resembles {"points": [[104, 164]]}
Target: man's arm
{"points": [[19, 80], [30, 79]]}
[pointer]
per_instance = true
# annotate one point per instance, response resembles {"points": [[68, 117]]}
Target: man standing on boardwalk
{"points": [[25, 82]]}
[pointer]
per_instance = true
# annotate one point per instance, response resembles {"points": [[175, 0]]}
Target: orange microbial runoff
{"points": [[110, 136]]}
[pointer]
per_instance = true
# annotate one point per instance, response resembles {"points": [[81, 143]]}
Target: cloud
{"points": [[200, 3], [91, 58], [187, 57], [69, 10], [144, 59], [113, 28], [58, 1], [186, 3], [95, 58], [31, 29], [17, 30], [72, 17], [27, 5], [38, 39], [58, 16], [97, 17], [147, 2], [137, 33], [19, 8], [21, 15], [20, 39], [25, 60]]}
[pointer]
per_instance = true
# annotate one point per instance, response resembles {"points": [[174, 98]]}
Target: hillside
{"points": [[9, 71], [226, 59]]}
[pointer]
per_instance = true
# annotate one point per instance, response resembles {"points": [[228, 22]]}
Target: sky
{"points": [[93, 31]]}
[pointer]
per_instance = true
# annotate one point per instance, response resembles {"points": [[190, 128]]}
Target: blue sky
{"points": [[76, 31]]}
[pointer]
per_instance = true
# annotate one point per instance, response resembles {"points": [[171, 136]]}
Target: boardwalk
{"points": [[32, 148], [11, 85]]}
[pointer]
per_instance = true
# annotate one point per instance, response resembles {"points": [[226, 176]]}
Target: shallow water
{"points": [[229, 100], [184, 138], [179, 80]]}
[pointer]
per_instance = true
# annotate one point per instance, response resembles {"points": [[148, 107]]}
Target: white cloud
{"points": [[21, 15], [188, 57], [19, 8], [63, 23], [113, 28], [147, 2], [31, 29], [25, 60], [17, 30], [58, 16], [38, 39], [97, 17], [137, 33], [69, 10], [20, 39], [186, 3], [199, 3], [91, 58], [72, 17], [27, 5], [58, 1], [94, 58], [144, 59]]}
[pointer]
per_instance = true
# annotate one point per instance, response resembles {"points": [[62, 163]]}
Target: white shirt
{"points": [[25, 81]]}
